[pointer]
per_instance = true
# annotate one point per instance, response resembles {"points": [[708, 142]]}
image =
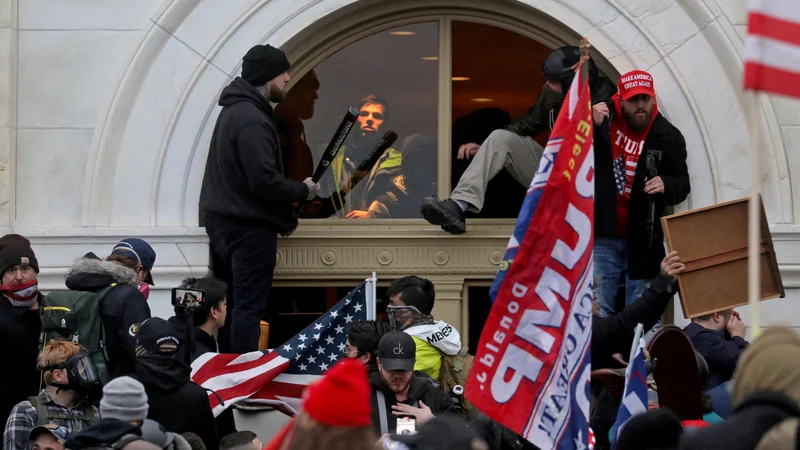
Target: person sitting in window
{"points": [[372, 122], [417, 181]]}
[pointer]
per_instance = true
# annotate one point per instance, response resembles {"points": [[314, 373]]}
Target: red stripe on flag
{"points": [[279, 389], [774, 28], [221, 363], [764, 78], [248, 387]]}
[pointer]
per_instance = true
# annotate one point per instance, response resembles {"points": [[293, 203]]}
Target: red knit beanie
{"points": [[341, 397]]}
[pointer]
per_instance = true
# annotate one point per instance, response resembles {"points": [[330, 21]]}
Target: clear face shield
{"points": [[82, 376], [400, 317]]}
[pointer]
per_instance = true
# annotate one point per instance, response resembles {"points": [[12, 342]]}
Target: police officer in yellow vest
{"points": [[411, 301]]}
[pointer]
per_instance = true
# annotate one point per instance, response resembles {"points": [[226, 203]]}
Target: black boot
{"points": [[445, 213]]}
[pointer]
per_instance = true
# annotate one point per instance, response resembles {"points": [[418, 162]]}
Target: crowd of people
{"points": [[88, 367]]}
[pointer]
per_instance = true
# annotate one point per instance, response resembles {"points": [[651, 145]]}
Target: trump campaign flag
{"points": [[634, 398], [531, 370], [279, 377], [772, 50]]}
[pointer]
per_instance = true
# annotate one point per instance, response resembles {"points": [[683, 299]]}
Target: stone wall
{"points": [[106, 110]]}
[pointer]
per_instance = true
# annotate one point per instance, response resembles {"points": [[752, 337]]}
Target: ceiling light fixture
{"points": [[402, 33], [482, 100], [460, 78], [430, 58]]}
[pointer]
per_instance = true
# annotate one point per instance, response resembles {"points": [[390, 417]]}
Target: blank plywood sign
{"points": [[712, 242]]}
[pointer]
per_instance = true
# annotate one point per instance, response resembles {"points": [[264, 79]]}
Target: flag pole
{"points": [[372, 297], [754, 217]]}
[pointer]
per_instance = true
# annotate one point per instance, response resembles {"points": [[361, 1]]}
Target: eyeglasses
{"points": [[375, 115]]}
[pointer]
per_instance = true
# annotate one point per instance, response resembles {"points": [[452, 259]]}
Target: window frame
{"points": [[321, 40]]}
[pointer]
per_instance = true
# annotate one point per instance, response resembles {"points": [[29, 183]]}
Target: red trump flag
{"points": [[531, 371]]}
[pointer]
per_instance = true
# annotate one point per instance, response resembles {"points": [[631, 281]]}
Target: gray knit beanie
{"points": [[125, 399]]}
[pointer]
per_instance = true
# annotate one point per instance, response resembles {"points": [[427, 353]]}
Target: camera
{"points": [[406, 425], [189, 299]]}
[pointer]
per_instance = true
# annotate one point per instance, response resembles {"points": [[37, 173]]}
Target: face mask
{"points": [[21, 295], [144, 288], [83, 377], [552, 99], [401, 317]]}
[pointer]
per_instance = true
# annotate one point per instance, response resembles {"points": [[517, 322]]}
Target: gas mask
{"points": [[401, 317], [82, 375]]}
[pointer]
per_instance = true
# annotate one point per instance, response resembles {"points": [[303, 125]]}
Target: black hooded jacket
{"points": [[103, 434], [121, 308], [175, 401], [420, 391], [643, 262], [245, 179], [19, 378]]}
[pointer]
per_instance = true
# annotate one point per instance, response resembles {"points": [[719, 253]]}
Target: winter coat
{"points": [[643, 261], [538, 118], [745, 428], [420, 390], [614, 334], [720, 351], [244, 177], [175, 401], [103, 435], [19, 346], [434, 340], [120, 309]]}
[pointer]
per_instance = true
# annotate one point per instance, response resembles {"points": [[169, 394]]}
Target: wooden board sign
{"points": [[712, 242]]}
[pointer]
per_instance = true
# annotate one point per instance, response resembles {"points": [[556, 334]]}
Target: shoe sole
{"points": [[436, 215]]}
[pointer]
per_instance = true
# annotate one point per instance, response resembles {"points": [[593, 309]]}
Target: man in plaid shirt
{"points": [[58, 403]]}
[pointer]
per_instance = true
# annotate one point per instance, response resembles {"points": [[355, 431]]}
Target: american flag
{"points": [[278, 377], [772, 51]]}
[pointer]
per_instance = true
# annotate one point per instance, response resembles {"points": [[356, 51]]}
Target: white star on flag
{"points": [[287, 347], [301, 346], [303, 367], [320, 350], [317, 326], [316, 336], [339, 329], [348, 318], [341, 347], [332, 357], [357, 307], [311, 359], [334, 314], [323, 367], [302, 337], [329, 340]]}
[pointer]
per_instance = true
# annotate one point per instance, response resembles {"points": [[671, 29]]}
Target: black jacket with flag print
{"points": [[420, 391]]}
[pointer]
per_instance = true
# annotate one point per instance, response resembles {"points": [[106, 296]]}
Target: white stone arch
{"points": [[148, 152]]}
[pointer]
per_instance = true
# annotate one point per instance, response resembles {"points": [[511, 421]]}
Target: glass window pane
{"points": [[487, 96], [392, 77]]}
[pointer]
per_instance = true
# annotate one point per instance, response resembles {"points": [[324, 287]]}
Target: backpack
{"points": [[75, 316], [44, 416], [454, 372]]}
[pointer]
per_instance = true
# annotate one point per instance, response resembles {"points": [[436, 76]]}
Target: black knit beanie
{"points": [[263, 63], [16, 250]]}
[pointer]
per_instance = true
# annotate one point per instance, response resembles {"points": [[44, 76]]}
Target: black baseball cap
{"points": [[397, 351], [157, 336]]}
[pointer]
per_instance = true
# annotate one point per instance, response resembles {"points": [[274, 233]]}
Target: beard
{"points": [[276, 95], [637, 122], [396, 383]]}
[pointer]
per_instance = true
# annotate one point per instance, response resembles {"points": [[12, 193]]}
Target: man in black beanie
{"points": [[246, 199], [19, 322]]}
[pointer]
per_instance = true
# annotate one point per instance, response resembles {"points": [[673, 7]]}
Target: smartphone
{"points": [[188, 298], [406, 425]]}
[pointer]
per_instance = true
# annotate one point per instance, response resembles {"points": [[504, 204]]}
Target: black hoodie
{"points": [[121, 308], [244, 178], [175, 401], [103, 434]]}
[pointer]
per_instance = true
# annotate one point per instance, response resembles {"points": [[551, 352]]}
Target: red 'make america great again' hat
{"points": [[636, 82]]}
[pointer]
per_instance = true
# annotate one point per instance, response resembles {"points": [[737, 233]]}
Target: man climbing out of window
{"points": [[513, 147]]}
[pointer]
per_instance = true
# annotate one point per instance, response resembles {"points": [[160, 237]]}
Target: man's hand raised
{"points": [[671, 265], [599, 113], [422, 414]]}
